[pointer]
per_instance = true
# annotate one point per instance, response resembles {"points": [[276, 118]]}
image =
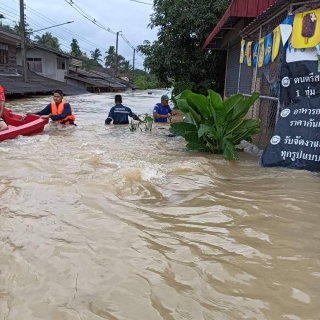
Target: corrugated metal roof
{"points": [[274, 9], [99, 83], [240, 9], [36, 84]]}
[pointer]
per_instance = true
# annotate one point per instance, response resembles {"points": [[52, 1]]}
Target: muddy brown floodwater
{"points": [[101, 223]]}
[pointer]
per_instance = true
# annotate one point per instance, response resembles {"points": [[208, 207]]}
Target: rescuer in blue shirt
{"points": [[120, 114], [162, 111]]}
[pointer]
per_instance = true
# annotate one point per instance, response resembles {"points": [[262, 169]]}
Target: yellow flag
{"points": [[249, 53], [276, 43], [242, 51], [261, 53]]}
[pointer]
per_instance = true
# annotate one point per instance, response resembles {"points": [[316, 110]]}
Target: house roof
{"points": [[237, 10], [276, 8], [36, 84], [9, 35], [96, 76], [99, 83], [54, 51]]}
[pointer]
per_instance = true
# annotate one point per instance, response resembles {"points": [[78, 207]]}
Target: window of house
{"points": [[61, 64], [35, 64], [4, 53]]}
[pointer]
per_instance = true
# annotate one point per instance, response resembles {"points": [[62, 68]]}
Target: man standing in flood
{"points": [[58, 110], [162, 111], [120, 114], [3, 125]]}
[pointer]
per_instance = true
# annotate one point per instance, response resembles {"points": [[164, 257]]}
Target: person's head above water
{"points": [[118, 99], [165, 100], [57, 96]]}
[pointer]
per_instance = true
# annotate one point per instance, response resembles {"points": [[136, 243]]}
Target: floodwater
{"points": [[100, 223]]}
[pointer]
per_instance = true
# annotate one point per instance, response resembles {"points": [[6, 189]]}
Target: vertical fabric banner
{"points": [[248, 53], [243, 42], [255, 53], [276, 43], [261, 53], [267, 49]]}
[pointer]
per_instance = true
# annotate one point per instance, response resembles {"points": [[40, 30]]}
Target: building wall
{"points": [[49, 63], [12, 55], [11, 63]]}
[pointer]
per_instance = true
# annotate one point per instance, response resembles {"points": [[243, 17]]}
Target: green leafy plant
{"points": [[133, 126], [148, 122], [214, 125]]}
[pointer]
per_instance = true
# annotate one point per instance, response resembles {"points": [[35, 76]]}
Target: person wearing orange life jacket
{"points": [[3, 125], [58, 110]]}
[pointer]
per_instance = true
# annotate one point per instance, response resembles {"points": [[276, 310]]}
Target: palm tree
{"points": [[125, 66], [48, 40], [95, 55]]}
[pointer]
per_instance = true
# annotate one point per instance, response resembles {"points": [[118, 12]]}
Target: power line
{"points": [[150, 4], [74, 35], [84, 14]]}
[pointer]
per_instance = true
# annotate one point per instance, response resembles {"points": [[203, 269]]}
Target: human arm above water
{"points": [[156, 113], [110, 116], [44, 112], [134, 116]]}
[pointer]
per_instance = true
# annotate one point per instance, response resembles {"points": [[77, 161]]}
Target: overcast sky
{"points": [[127, 16]]}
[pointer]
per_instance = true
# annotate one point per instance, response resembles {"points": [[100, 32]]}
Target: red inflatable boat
{"points": [[32, 124]]}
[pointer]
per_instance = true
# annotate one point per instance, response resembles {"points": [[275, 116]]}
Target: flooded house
{"points": [[46, 68], [252, 21]]}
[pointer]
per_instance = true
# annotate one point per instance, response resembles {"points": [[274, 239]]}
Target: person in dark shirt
{"points": [[58, 110], [120, 114]]}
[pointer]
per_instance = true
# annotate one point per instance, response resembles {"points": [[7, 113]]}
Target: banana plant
{"points": [[215, 125]]}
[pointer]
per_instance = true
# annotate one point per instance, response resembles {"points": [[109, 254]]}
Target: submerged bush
{"points": [[215, 125]]}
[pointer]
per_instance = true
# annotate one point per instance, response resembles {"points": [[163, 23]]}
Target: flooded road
{"points": [[100, 223]]}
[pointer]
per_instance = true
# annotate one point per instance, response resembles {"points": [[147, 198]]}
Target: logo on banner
{"points": [[286, 82]]}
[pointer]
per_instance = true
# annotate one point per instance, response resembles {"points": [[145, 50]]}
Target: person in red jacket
{"points": [[3, 125]]}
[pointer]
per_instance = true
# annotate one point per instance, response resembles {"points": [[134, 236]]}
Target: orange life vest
{"points": [[58, 110]]}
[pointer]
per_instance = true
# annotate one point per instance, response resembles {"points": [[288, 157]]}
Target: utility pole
{"points": [[116, 64], [134, 54], [23, 43]]}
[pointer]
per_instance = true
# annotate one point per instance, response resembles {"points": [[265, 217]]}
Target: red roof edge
{"points": [[241, 9]]}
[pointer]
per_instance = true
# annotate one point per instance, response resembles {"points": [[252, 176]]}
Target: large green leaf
{"points": [[217, 109], [196, 146], [189, 118], [194, 142], [183, 105], [201, 102], [180, 128], [247, 135], [232, 101], [183, 95], [247, 125], [229, 150], [233, 125], [195, 116], [203, 130], [241, 109]]}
